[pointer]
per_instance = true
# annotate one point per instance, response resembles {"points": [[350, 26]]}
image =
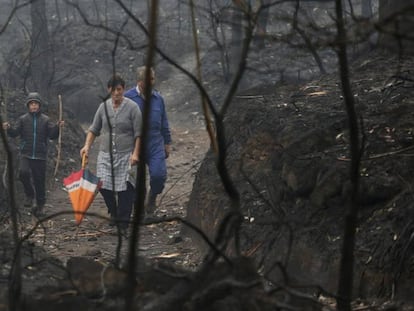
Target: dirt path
{"points": [[96, 239]]}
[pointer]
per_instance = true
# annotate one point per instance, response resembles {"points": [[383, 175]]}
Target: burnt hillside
{"points": [[288, 156]]}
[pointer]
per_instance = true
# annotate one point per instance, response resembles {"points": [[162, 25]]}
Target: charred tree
{"points": [[261, 27], [396, 23], [346, 269], [366, 8], [236, 41], [40, 56]]}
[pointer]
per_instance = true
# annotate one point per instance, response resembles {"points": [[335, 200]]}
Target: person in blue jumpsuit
{"points": [[158, 136]]}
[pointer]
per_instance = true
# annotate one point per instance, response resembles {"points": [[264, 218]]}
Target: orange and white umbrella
{"points": [[82, 187]]}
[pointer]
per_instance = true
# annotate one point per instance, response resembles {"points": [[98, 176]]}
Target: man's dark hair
{"points": [[115, 81]]}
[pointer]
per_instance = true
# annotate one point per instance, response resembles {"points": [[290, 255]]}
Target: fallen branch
{"points": [[382, 155]]}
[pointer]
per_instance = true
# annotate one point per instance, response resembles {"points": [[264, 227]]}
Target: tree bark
{"points": [[396, 22], [346, 269], [366, 8], [261, 28], [40, 56], [236, 41]]}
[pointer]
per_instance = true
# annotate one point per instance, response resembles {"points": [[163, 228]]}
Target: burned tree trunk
{"points": [[40, 56], [397, 25]]}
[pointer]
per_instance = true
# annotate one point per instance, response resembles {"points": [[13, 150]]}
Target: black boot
{"points": [[37, 210], [151, 204], [28, 202]]}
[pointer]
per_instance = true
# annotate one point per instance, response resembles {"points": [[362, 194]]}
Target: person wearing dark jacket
{"points": [[34, 129]]}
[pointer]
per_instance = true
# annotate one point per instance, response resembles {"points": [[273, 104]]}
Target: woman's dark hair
{"points": [[115, 81]]}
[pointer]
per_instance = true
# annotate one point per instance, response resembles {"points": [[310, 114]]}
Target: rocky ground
{"points": [[95, 239], [288, 155], [285, 148], [51, 243]]}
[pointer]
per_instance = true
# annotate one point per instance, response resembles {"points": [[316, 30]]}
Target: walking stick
{"points": [[60, 136]]}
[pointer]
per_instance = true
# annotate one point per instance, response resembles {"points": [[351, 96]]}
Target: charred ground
{"points": [[288, 157]]}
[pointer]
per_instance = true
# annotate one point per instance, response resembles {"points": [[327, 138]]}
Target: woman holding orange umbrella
{"points": [[118, 121]]}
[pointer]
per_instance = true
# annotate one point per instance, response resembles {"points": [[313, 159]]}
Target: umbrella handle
{"points": [[84, 160]]}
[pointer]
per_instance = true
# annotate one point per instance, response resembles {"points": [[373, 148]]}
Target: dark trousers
{"points": [[157, 168], [119, 204], [32, 174]]}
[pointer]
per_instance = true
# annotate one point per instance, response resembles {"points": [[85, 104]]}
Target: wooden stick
{"points": [[60, 136]]}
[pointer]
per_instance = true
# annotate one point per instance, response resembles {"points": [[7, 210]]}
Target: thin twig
{"points": [[60, 136], [381, 155]]}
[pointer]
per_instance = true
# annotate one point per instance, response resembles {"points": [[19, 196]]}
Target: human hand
{"points": [[84, 151], [61, 123], [134, 159], [167, 151], [6, 125]]}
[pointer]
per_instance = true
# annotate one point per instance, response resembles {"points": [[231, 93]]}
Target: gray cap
{"points": [[34, 96]]}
